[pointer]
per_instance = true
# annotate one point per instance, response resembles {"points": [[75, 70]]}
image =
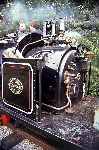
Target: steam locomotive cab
{"points": [[50, 73]]}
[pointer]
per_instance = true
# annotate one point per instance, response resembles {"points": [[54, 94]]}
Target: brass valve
{"points": [[90, 55]]}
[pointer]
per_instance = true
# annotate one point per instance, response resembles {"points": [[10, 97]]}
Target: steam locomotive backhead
{"points": [[51, 70]]}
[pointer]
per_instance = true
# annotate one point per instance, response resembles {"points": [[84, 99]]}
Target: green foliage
{"points": [[92, 42], [94, 84]]}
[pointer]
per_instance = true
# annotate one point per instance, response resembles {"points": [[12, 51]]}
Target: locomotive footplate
{"points": [[62, 130]]}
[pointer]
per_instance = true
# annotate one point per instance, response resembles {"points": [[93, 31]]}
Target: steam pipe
{"points": [[44, 29], [53, 28], [62, 25]]}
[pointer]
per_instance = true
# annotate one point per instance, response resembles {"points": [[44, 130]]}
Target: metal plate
{"points": [[17, 86], [20, 82]]}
